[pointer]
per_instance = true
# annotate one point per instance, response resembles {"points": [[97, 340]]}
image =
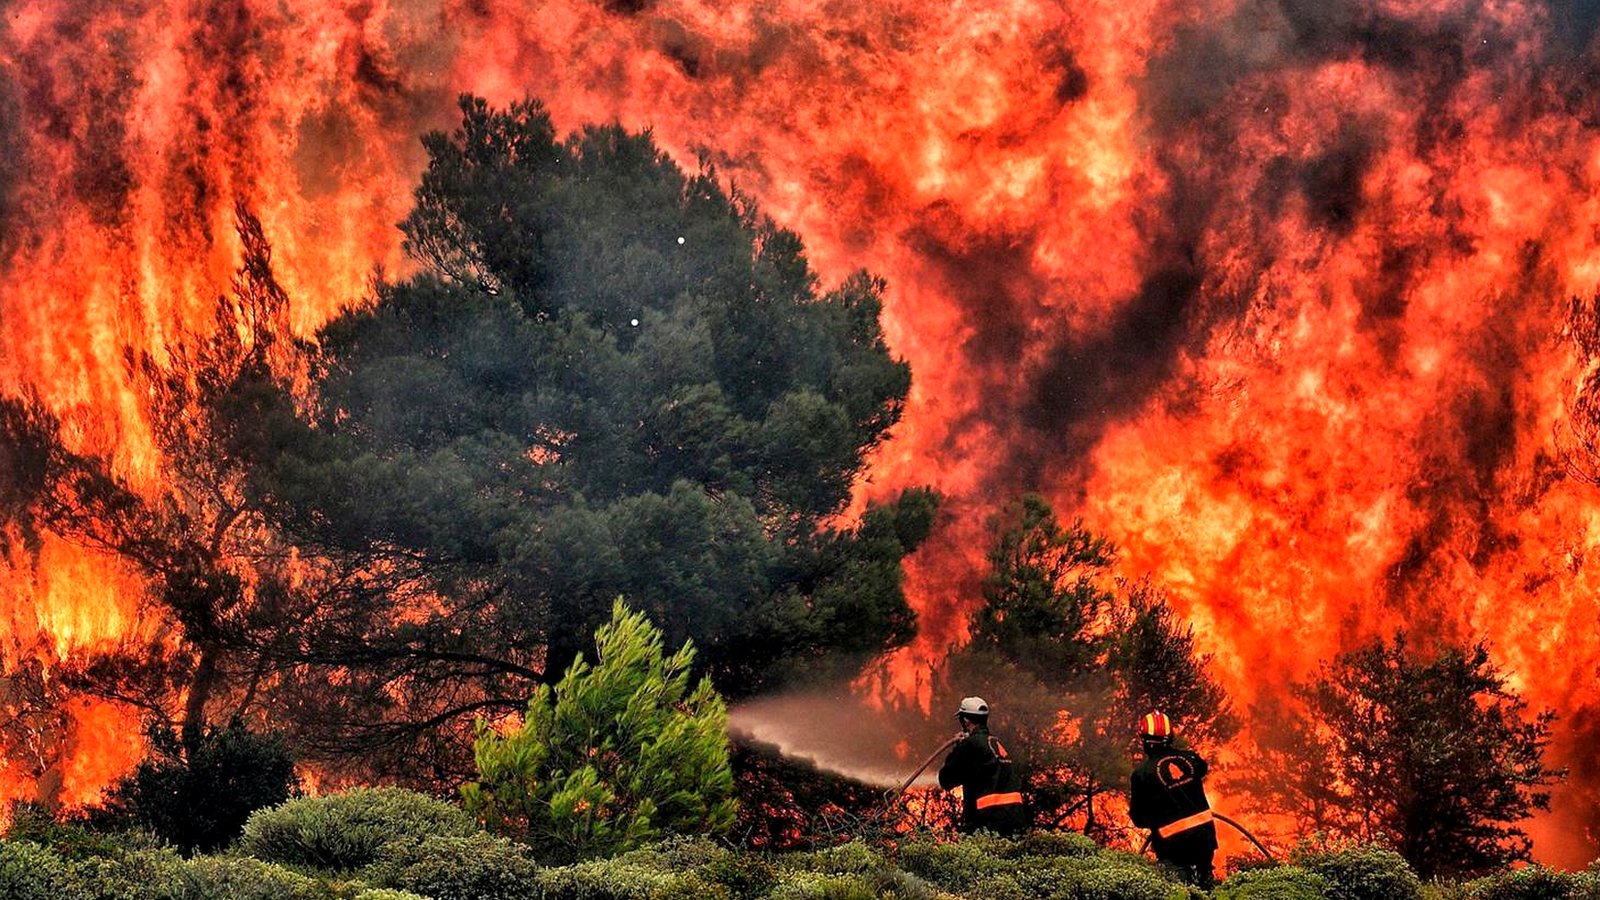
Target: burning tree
{"points": [[1075, 657], [214, 571], [1429, 752], [612, 378]]}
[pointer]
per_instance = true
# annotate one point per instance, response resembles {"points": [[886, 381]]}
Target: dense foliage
{"points": [[1052, 866], [616, 754], [351, 829], [197, 794], [1429, 752], [612, 378]]}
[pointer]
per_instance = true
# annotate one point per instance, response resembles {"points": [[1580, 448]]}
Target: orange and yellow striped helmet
{"points": [[1156, 727]]}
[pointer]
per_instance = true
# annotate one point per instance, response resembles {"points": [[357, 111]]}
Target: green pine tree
{"points": [[617, 754]]}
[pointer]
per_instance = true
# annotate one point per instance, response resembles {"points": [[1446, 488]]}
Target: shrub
{"points": [[1102, 877], [139, 875], [345, 831], [197, 794], [743, 874], [998, 887], [614, 756], [29, 871], [819, 886], [952, 866], [387, 894], [1275, 883], [852, 858], [243, 878], [1529, 883], [478, 867], [1364, 873], [1056, 843], [71, 840], [619, 879]]}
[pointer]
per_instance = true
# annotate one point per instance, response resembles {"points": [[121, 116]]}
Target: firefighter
{"points": [[1169, 799], [991, 786]]}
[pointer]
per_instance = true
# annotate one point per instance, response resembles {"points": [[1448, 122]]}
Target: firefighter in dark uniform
{"points": [[991, 786], [1169, 799]]}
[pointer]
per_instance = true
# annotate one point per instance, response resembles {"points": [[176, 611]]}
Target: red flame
{"points": [[1269, 293]]}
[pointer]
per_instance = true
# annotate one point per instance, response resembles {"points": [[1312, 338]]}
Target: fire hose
{"points": [[1237, 827], [890, 796]]}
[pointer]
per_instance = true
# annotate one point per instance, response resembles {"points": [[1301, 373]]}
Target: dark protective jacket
{"points": [[1169, 798], [991, 786]]}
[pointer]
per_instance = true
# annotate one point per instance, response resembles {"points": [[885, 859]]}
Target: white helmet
{"points": [[973, 706]]}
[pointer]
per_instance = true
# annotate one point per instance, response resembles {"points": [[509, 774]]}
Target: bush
{"points": [[852, 858], [139, 875], [478, 867], [743, 874], [1056, 843], [345, 831], [31, 872], [1529, 883], [998, 887], [951, 866], [71, 840], [1102, 877], [387, 894], [197, 795], [819, 886], [1275, 883], [243, 878], [621, 879], [614, 756], [1364, 873]]}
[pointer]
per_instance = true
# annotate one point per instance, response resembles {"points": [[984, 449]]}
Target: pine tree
{"points": [[1430, 752], [616, 754]]}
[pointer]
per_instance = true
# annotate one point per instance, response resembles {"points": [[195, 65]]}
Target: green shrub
{"points": [[1274, 883], [743, 874], [1056, 843], [72, 839], [1528, 883], [1106, 876], [851, 858], [139, 875], [997, 887], [803, 885], [243, 878], [1364, 873], [387, 894], [708, 864], [345, 831], [29, 871], [478, 867], [898, 885], [614, 756], [617, 879], [198, 793], [951, 866], [680, 853]]}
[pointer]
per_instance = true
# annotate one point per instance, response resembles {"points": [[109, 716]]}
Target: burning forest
{"points": [[356, 356]]}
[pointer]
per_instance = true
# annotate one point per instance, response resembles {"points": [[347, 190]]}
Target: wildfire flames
{"points": [[1272, 292]]}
